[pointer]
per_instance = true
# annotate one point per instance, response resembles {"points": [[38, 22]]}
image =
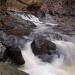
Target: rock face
{"points": [[11, 53], [15, 25], [14, 53], [9, 70], [66, 7], [19, 4], [40, 45]]}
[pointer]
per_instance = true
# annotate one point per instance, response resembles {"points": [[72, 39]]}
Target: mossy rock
{"points": [[9, 70]]}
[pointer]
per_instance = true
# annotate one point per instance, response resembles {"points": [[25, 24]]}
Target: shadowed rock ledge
{"points": [[9, 70]]}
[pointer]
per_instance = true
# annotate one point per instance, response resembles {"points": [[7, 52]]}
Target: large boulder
{"points": [[13, 24], [41, 45], [11, 53], [44, 49], [14, 53], [9, 70], [61, 7]]}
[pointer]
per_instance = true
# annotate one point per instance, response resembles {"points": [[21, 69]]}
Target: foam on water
{"points": [[34, 66], [60, 66], [67, 50], [32, 18], [36, 20], [42, 25]]}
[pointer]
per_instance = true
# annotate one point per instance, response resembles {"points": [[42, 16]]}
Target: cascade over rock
{"points": [[14, 25], [40, 45]]}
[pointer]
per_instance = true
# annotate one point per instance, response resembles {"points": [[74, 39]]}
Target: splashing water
{"points": [[66, 49], [42, 26], [34, 66], [65, 65]]}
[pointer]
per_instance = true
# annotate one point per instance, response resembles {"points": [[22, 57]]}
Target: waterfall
{"points": [[64, 65], [44, 26], [35, 66], [66, 49]]}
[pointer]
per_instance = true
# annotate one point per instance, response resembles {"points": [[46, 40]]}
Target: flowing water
{"points": [[60, 66], [64, 65]]}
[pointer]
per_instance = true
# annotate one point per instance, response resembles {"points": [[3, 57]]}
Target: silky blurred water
{"points": [[64, 65]]}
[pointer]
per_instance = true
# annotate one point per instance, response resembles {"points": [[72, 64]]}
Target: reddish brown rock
{"points": [[15, 25], [61, 7]]}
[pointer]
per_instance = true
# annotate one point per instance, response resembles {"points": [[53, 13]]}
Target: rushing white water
{"points": [[67, 50], [34, 66], [31, 18], [48, 20], [43, 26], [65, 65]]}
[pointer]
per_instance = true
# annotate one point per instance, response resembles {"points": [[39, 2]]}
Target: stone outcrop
{"points": [[14, 53], [44, 49], [11, 53], [55, 7], [15, 25], [61, 7], [41, 45], [9, 70], [19, 4]]}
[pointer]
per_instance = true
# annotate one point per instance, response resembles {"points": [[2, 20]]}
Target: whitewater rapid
{"points": [[35, 66], [64, 65]]}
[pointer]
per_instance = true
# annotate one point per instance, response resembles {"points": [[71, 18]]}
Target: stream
{"points": [[65, 45]]}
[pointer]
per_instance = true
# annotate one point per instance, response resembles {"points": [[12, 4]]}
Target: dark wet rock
{"points": [[14, 53], [11, 54], [44, 48], [60, 7], [41, 45], [9, 70], [15, 25]]}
